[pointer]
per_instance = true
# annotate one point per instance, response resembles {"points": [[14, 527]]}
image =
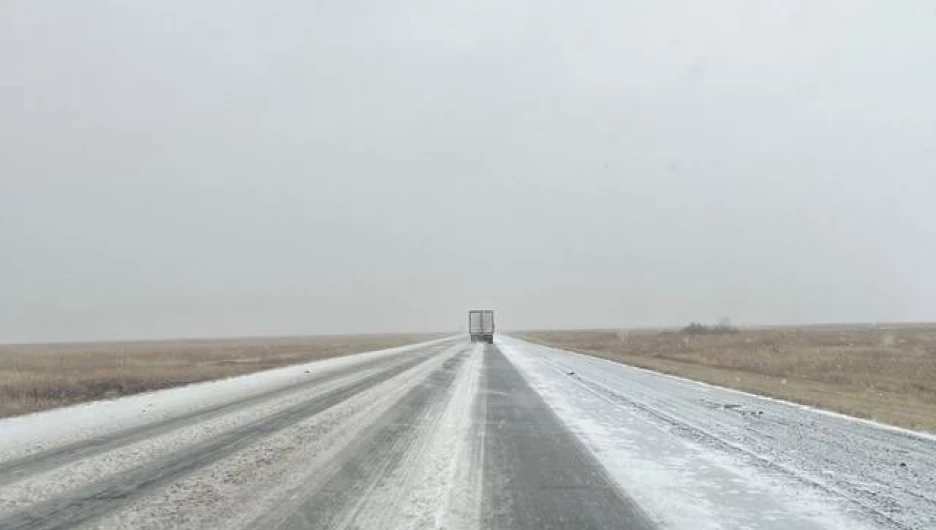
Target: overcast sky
{"points": [[215, 168]]}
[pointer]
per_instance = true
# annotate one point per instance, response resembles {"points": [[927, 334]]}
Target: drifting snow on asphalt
{"points": [[268, 484], [698, 456], [213, 469], [42, 431], [460, 436]]}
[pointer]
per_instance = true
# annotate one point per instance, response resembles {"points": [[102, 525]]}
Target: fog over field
{"points": [[226, 168]]}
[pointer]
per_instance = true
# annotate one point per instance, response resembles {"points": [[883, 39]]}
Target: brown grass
{"points": [[886, 373], [42, 376]]}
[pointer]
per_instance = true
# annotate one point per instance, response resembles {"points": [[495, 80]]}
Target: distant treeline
{"points": [[722, 328]]}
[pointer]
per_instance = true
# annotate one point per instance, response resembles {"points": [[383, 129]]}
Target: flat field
{"points": [[882, 372], [36, 377]]}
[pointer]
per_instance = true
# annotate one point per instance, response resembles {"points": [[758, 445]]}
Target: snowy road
{"points": [[696, 456], [455, 435]]}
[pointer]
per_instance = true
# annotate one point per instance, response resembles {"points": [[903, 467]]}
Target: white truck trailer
{"points": [[481, 325]]}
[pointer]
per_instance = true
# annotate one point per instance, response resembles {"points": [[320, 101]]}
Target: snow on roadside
{"points": [[33, 433], [59, 480], [261, 485], [694, 456]]}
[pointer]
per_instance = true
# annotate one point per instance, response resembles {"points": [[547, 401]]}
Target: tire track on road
{"points": [[690, 430], [537, 473], [26, 466], [438, 484], [90, 502], [382, 450]]}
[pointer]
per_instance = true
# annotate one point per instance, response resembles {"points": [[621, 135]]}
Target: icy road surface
{"points": [[699, 456], [455, 435]]}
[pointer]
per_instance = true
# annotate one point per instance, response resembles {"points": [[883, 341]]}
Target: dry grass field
{"points": [[41, 376], [886, 373]]}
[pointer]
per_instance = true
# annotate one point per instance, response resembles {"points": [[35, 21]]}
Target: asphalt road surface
{"points": [[449, 435], [444, 435]]}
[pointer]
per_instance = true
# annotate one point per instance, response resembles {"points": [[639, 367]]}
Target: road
{"points": [[456, 435]]}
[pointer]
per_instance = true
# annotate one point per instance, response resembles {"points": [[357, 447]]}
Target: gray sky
{"points": [[209, 168]]}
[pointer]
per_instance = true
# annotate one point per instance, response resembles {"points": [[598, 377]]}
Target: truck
{"points": [[481, 325]]}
